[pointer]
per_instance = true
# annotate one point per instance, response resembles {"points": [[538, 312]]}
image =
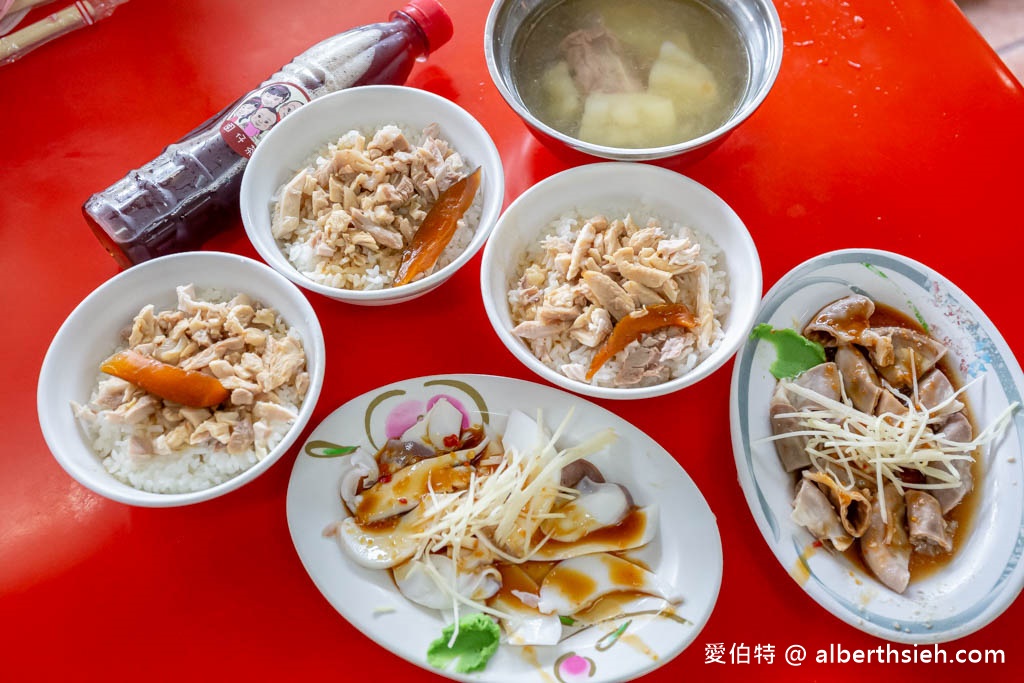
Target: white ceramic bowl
{"points": [[291, 143], [92, 332], [613, 188], [986, 574]]}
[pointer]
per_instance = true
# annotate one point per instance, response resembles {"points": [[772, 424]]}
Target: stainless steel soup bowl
{"points": [[756, 21]]}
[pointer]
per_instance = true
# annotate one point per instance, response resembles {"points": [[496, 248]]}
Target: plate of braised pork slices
{"points": [[877, 429], [491, 529]]}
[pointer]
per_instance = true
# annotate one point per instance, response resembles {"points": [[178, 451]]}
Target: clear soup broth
{"points": [[630, 75]]}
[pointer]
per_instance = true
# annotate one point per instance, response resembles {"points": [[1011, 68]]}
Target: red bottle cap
{"points": [[432, 19]]}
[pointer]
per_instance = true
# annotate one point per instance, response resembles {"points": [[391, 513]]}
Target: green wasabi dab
{"points": [[795, 353], [473, 647]]}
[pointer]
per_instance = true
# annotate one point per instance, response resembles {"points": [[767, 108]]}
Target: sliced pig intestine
{"points": [[889, 403], [823, 380], [853, 507], [957, 428], [934, 390], [841, 322], [913, 354], [929, 532], [860, 380], [791, 450], [885, 546], [812, 510]]}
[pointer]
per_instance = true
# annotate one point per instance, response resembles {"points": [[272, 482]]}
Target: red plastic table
{"points": [[892, 125]]}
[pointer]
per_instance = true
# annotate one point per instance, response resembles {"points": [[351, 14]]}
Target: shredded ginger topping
{"points": [[498, 513], [887, 445]]}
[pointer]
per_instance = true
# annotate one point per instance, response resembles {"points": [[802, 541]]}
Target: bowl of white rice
{"points": [[621, 280], [334, 197], [227, 320]]}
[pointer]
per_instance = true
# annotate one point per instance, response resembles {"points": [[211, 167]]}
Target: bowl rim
{"points": [[493, 183], [773, 64], [108, 486], [713, 362]]}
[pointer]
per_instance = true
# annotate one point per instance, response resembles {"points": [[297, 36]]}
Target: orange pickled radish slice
{"points": [[638, 323], [187, 387], [437, 228]]}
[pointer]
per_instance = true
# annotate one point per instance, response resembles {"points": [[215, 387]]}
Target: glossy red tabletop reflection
{"points": [[892, 125]]}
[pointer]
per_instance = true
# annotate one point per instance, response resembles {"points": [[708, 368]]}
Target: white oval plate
{"points": [[369, 600], [986, 574]]}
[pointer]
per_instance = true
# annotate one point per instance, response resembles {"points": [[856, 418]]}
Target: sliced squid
{"points": [[421, 581], [360, 468], [442, 422], [636, 529], [379, 548], [403, 491], [598, 505], [524, 436], [577, 583], [522, 433], [577, 469], [518, 599]]}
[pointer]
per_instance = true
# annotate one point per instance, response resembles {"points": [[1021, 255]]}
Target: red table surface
{"points": [[892, 125]]}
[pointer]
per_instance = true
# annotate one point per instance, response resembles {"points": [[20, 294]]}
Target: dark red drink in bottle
{"points": [[190, 192]]}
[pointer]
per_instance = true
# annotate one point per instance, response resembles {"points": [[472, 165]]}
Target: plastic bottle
{"points": [[190, 192]]}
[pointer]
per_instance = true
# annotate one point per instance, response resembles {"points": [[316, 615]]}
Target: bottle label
{"points": [[257, 113]]}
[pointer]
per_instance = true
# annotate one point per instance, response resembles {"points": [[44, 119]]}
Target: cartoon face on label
{"points": [[288, 107], [257, 113], [263, 119], [274, 95]]}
